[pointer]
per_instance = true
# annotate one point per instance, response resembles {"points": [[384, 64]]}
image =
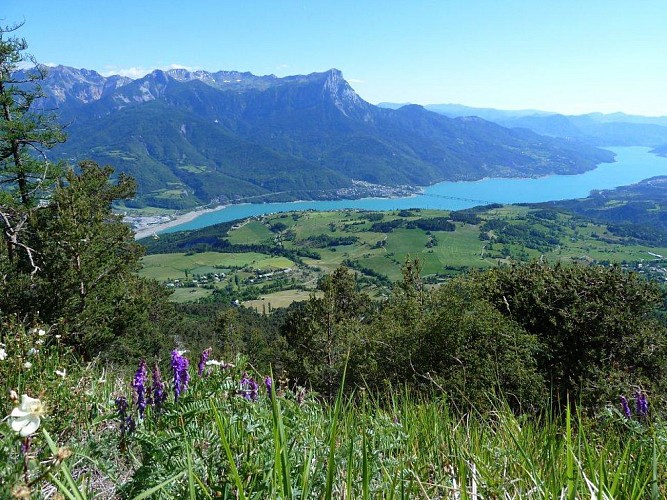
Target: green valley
{"points": [[272, 259]]}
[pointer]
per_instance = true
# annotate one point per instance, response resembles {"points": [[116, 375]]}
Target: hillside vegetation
{"points": [[635, 213], [483, 367], [537, 379]]}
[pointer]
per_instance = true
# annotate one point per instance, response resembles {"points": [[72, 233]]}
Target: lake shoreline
{"points": [[631, 165], [151, 229], [156, 228], [372, 191]]}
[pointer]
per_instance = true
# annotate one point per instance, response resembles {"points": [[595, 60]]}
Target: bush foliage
{"points": [[574, 332]]}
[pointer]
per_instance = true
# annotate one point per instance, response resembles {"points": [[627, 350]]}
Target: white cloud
{"points": [[135, 72], [180, 66], [23, 65]]}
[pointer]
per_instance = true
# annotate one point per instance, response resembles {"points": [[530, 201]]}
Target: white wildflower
{"points": [[32, 351], [25, 418], [41, 332], [27, 364], [61, 373], [215, 362], [39, 341], [3, 354], [58, 336]]}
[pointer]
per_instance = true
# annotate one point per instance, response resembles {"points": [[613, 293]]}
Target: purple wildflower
{"points": [[179, 365], [268, 383], [249, 388], [254, 390], [126, 421], [625, 407], [130, 424], [642, 404], [159, 395], [139, 386], [127, 424], [202, 361], [121, 407]]}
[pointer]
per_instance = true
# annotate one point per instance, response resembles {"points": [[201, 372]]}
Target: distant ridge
{"points": [[597, 129]]}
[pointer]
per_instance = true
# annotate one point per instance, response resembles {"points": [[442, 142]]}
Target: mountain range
{"points": [[597, 129], [190, 138]]}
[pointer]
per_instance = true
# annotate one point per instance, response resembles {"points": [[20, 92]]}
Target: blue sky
{"points": [[558, 55]]}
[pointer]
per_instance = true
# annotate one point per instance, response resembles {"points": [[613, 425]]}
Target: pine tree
{"points": [[67, 260], [324, 333], [89, 289], [25, 136]]}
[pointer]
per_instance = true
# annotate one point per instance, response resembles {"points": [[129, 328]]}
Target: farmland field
{"points": [[171, 266], [278, 258]]}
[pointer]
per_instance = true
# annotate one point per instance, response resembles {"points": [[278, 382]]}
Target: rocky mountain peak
{"points": [[148, 88], [223, 80], [343, 95], [79, 85]]}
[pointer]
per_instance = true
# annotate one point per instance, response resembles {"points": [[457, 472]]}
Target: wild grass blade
{"points": [[63, 488], [365, 479], [230, 457], [204, 489], [620, 472], [350, 470], [282, 461], [305, 474], [151, 491], [71, 483], [191, 473], [655, 489], [569, 460], [333, 434]]}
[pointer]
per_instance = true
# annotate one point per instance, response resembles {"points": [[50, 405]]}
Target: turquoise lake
{"points": [[632, 165]]}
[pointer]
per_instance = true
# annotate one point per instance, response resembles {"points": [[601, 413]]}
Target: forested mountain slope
{"points": [[191, 138]]}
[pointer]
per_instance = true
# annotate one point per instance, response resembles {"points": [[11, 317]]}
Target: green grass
{"points": [[251, 233], [315, 223], [278, 299], [288, 444], [171, 266], [169, 194], [181, 295]]}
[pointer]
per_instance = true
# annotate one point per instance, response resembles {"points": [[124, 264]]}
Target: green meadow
{"points": [[163, 267], [376, 244]]}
